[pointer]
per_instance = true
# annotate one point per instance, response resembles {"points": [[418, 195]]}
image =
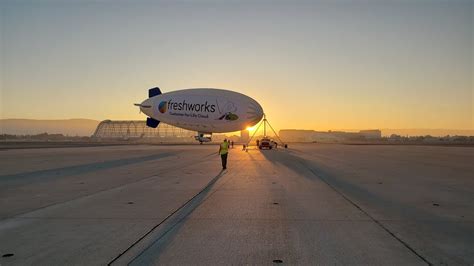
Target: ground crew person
{"points": [[223, 151]]}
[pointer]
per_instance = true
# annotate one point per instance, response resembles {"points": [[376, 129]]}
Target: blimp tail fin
{"points": [[153, 92], [150, 122]]}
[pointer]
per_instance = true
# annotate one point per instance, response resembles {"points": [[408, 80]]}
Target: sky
{"points": [[311, 64]]}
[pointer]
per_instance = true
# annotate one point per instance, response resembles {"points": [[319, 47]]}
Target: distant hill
{"points": [[71, 127]]}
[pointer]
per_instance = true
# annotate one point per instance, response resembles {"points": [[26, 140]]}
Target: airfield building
{"points": [[297, 135]]}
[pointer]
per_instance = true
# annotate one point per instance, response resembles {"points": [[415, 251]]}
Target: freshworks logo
{"points": [[163, 107]]}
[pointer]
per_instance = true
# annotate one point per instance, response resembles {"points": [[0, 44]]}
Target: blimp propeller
{"points": [[142, 105]]}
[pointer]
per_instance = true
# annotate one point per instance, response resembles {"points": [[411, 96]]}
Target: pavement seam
{"points": [[366, 213]]}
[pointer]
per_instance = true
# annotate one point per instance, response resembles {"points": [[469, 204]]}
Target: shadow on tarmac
{"points": [[420, 222], [78, 169], [172, 225]]}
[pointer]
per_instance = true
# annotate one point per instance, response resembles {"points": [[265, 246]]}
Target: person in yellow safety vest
{"points": [[223, 151]]}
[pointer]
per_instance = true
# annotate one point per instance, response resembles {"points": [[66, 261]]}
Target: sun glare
{"points": [[251, 128]]}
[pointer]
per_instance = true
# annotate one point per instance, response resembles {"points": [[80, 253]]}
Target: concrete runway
{"points": [[310, 204]]}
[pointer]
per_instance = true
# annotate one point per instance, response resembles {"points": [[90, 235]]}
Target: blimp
{"points": [[204, 110]]}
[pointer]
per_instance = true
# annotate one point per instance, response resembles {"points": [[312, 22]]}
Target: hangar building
{"points": [[109, 129]]}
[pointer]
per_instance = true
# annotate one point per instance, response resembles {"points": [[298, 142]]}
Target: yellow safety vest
{"points": [[224, 147]]}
